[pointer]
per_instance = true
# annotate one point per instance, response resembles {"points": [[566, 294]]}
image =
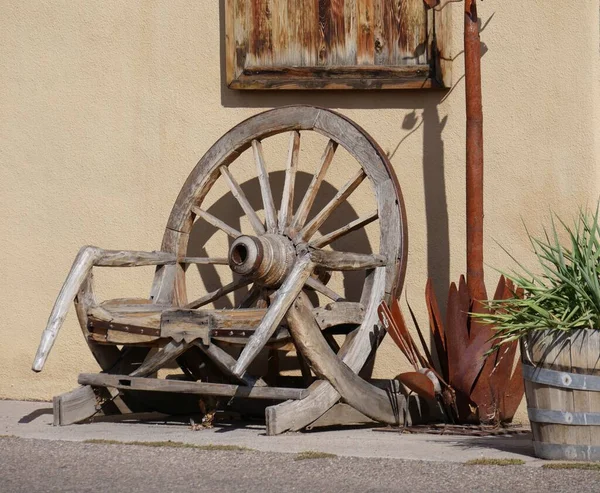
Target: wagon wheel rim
{"points": [[290, 234]]}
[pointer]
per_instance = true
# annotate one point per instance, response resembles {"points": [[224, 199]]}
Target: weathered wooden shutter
{"points": [[336, 44]]}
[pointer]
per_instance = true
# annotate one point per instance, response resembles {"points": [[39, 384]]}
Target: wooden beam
{"points": [[343, 261], [282, 300], [125, 382]]}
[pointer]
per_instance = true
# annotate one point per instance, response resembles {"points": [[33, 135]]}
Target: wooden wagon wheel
{"points": [[283, 252], [281, 256]]}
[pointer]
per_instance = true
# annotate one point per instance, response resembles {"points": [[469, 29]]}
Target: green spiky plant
{"points": [[565, 296]]}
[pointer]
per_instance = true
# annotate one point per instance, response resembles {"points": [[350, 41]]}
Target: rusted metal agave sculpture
{"points": [[469, 385], [472, 388]]}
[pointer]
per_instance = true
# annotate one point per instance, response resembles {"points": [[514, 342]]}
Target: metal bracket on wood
{"points": [[563, 417], [561, 379]]}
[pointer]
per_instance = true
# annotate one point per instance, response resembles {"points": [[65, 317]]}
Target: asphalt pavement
{"points": [[38, 457]]}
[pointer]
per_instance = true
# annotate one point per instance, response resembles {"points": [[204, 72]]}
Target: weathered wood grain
{"points": [[87, 258], [79, 272], [225, 362], [282, 300], [340, 313], [171, 351], [316, 222], [240, 196], [366, 398], [126, 382], [341, 415], [343, 261], [74, 406], [577, 437], [318, 286], [216, 222], [265, 187], [344, 230], [313, 188], [323, 37], [217, 293], [287, 197]]}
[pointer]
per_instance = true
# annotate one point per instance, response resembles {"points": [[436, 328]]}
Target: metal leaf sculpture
{"points": [[472, 386], [487, 389]]}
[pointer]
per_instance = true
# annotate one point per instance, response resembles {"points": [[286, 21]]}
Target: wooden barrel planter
{"points": [[562, 386]]}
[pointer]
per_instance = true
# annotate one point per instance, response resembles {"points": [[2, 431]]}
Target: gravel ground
{"points": [[32, 466]]}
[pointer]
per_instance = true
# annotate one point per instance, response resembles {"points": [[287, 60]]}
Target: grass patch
{"points": [[495, 462], [588, 466], [313, 454], [8, 436], [209, 446]]}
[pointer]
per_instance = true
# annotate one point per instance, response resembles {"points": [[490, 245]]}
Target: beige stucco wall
{"points": [[106, 106]]}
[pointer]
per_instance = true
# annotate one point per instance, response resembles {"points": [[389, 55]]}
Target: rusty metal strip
{"points": [[97, 325], [230, 332]]}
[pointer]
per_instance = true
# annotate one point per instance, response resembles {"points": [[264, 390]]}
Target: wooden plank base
{"points": [[83, 403], [125, 382]]}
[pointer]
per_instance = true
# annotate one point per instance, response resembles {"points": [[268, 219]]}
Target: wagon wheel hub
{"points": [[267, 259]]}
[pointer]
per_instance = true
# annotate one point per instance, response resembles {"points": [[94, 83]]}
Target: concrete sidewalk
{"points": [[34, 420]]}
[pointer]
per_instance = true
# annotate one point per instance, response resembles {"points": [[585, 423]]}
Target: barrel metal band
{"points": [[562, 417], [562, 379], [558, 451]]}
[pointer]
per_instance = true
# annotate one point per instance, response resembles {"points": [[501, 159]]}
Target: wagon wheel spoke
{"points": [[316, 222], [282, 300], [237, 192], [311, 193], [204, 260], [346, 261], [265, 187], [251, 296], [263, 299], [218, 293], [359, 223], [320, 287], [216, 222], [287, 196]]}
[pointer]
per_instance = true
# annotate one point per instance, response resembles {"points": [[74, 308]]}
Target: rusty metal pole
{"points": [[474, 158]]}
